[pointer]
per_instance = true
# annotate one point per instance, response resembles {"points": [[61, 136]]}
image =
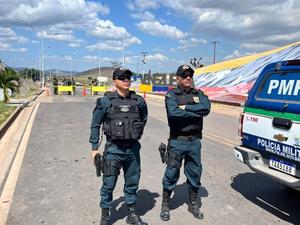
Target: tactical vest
{"points": [[123, 122], [186, 126]]}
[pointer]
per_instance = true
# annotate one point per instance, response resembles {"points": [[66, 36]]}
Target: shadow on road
{"points": [[181, 196], [269, 195], [145, 202]]}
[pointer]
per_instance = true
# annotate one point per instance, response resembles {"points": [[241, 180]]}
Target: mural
{"points": [[227, 81]]}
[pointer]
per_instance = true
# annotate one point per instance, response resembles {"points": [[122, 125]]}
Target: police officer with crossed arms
{"points": [[186, 108], [123, 115]]}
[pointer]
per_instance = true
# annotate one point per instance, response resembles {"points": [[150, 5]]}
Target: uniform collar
{"points": [[191, 90], [122, 97]]}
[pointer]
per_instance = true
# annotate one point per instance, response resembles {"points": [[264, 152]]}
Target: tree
{"points": [[9, 79]]}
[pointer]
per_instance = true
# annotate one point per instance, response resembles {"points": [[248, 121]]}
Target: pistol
{"points": [[163, 152], [98, 164]]}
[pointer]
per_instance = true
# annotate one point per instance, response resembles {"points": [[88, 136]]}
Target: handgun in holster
{"points": [[163, 152], [98, 164]]}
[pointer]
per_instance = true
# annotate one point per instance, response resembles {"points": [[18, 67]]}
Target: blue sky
{"points": [[75, 32]]}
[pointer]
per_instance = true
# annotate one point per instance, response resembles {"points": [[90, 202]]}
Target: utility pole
{"points": [[144, 61], [72, 69], [215, 46], [137, 65]]}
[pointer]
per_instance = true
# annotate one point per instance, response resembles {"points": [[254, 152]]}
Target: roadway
{"points": [[55, 182]]}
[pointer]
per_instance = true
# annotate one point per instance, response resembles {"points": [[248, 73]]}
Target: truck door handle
{"points": [[282, 123]]}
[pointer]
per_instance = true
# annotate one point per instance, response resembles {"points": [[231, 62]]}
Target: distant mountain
{"points": [[104, 72]]}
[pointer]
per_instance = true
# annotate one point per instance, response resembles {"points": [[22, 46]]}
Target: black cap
{"points": [[121, 71], [182, 69]]}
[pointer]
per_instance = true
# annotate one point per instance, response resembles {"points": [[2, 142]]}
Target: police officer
{"points": [[186, 108], [123, 115]]}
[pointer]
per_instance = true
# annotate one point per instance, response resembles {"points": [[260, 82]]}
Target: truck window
{"points": [[281, 87]]}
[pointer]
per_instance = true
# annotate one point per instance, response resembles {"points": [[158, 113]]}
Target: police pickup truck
{"points": [[270, 124]]}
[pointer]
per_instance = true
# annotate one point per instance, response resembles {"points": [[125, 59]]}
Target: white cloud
{"points": [[107, 29], [155, 28], [190, 43], [235, 54], [8, 35], [7, 47], [257, 47], [66, 37], [145, 16], [90, 58], [143, 4], [269, 22], [60, 18], [74, 45], [114, 45], [157, 57], [48, 12], [4, 46]]}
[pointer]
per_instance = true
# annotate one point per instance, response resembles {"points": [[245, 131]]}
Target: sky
{"points": [[79, 35]]}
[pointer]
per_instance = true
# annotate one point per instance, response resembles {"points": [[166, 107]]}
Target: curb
{"points": [[8, 122]]}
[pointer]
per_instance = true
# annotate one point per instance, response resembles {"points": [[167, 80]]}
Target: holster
{"points": [[163, 152], [98, 164]]}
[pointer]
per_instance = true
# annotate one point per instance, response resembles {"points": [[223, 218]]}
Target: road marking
{"points": [[209, 135], [273, 207], [10, 184]]}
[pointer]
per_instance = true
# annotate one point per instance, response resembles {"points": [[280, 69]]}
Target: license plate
{"points": [[283, 166]]}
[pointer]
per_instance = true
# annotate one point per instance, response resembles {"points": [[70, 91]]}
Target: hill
{"points": [[94, 73]]}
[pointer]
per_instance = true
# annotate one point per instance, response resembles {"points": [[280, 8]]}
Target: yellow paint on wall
{"points": [[234, 63]]}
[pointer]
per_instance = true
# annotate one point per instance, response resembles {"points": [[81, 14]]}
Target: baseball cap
{"points": [[120, 72], [182, 69]]}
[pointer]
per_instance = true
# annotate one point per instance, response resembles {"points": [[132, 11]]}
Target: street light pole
{"points": [[123, 52], [42, 64], [99, 66]]}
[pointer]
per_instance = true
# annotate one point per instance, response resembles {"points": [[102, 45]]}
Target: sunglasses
{"points": [[185, 75], [122, 78]]}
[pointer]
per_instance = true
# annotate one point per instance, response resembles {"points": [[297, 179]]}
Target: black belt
{"points": [[185, 138], [123, 143]]}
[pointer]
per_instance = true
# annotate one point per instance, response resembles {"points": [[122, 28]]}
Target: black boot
{"points": [[194, 206], [132, 218], [104, 217], [165, 208]]}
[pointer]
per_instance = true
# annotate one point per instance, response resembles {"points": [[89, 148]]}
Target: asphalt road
{"points": [[57, 184]]}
